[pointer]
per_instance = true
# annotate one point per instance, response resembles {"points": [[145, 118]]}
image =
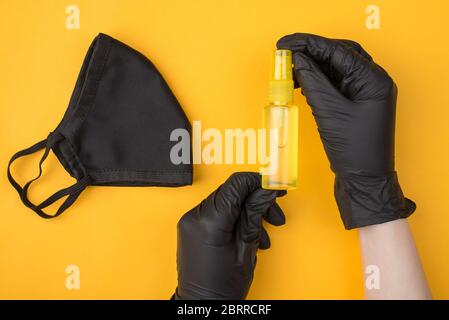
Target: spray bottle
{"points": [[281, 116]]}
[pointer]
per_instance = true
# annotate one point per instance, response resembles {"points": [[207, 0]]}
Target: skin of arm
{"points": [[389, 248]]}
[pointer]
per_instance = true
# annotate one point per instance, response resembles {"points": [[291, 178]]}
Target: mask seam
{"points": [[96, 85], [68, 158]]}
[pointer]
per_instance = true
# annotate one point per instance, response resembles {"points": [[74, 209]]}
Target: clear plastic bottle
{"points": [[282, 116]]}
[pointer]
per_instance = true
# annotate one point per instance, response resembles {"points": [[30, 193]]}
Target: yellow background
{"points": [[214, 55]]}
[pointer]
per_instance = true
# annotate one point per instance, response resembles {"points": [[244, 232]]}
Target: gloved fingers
{"points": [[337, 54], [231, 195], [357, 47], [275, 215], [280, 193], [256, 206], [297, 42], [264, 239], [345, 66], [315, 85], [284, 43]]}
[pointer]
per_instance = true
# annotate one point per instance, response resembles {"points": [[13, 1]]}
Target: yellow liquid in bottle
{"points": [[284, 119]]}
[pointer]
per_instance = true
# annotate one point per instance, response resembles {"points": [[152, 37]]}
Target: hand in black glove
{"points": [[219, 238], [353, 101]]}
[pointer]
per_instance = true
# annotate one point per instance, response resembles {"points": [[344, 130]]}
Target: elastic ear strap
{"points": [[38, 146], [73, 191]]}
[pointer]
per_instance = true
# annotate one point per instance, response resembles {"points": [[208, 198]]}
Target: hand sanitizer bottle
{"points": [[281, 123]]}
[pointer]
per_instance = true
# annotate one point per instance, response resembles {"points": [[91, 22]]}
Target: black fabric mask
{"points": [[116, 130]]}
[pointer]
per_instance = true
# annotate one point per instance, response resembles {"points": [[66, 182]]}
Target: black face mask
{"points": [[116, 130]]}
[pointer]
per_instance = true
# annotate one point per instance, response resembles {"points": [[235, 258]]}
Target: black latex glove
{"points": [[218, 239], [353, 101]]}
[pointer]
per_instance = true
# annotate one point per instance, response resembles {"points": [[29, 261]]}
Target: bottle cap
{"points": [[281, 78]]}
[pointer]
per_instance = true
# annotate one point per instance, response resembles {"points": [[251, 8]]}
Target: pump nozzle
{"points": [[281, 78]]}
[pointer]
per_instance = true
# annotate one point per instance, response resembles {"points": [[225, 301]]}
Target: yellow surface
{"points": [[214, 55]]}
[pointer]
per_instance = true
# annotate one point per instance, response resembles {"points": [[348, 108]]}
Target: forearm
{"points": [[390, 248]]}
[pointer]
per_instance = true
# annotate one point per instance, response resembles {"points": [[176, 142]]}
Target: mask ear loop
{"points": [[73, 191]]}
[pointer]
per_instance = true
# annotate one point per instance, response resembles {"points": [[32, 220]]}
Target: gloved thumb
{"points": [[315, 85], [274, 216], [255, 208]]}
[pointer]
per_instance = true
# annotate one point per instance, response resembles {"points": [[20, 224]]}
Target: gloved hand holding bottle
{"points": [[218, 239], [353, 101]]}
